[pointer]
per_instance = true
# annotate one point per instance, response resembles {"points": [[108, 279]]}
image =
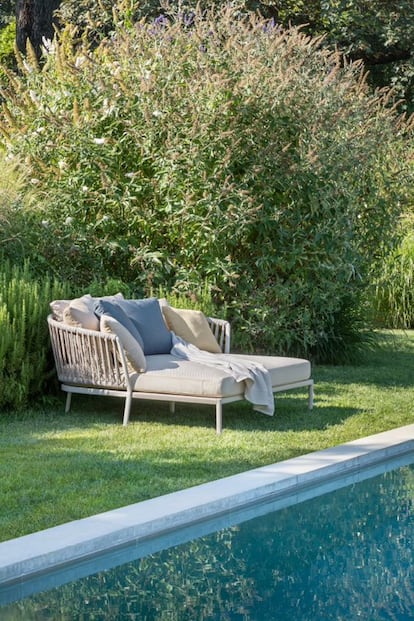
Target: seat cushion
{"points": [[282, 370], [171, 375], [167, 374], [57, 307], [79, 312]]}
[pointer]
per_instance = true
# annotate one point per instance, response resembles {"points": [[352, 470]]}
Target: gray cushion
{"points": [[112, 308], [148, 320]]}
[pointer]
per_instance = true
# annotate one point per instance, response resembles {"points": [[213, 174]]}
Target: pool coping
{"points": [[75, 541]]}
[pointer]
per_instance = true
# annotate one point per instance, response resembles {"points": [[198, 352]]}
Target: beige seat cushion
{"points": [[133, 350], [167, 374], [170, 375], [282, 370], [192, 326]]}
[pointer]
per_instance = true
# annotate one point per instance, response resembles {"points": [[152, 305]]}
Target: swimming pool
{"points": [[345, 554]]}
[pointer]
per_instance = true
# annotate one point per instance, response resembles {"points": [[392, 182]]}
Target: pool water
{"points": [[346, 555]]}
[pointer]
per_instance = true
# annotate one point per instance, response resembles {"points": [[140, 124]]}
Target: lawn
{"points": [[56, 467]]}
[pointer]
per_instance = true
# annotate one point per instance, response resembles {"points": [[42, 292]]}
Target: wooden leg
{"points": [[68, 402], [219, 417], [172, 407]]}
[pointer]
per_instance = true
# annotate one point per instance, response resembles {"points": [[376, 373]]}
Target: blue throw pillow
{"points": [[148, 320], [112, 308]]}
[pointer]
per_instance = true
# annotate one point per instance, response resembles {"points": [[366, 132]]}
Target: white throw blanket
{"points": [[258, 384]]}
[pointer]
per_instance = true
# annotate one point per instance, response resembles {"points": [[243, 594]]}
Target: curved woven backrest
{"points": [[87, 357]]}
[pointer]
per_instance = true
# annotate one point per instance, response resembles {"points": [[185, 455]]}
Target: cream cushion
{"points": [[133, 350], [192, 326], [57, 307], [80, 313]]}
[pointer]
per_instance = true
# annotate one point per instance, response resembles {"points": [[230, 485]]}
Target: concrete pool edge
{"points": [[54, 547]]}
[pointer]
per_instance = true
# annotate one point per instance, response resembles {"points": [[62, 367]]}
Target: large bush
{"points": [[219, 148]]}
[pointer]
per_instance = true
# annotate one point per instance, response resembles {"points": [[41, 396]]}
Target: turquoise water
{"points": [[345, 555]]}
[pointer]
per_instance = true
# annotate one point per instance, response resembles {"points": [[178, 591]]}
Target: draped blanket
{"points": [[258, 385]]}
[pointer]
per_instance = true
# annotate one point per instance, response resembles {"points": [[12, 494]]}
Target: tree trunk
{"points": [[34, 21]]}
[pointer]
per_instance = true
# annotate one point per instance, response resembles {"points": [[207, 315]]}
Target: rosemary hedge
{"points": [[25, 362]]}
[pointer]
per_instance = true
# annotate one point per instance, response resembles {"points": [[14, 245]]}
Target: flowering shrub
{"points": [[213, 148]]}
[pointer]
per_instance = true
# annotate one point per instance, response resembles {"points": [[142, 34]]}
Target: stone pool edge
{"points": [[45, 550]]}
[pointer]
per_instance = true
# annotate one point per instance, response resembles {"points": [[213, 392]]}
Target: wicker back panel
{"points": [[221, 330], [87, 357]]}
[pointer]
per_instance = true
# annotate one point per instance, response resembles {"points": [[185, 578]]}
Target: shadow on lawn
{"points": [[291, 414]]}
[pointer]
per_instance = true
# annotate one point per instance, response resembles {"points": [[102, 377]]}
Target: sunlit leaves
{"points": [[229, 151]]}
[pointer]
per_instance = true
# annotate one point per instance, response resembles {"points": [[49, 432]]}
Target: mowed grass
{"points": [[56, 467]]}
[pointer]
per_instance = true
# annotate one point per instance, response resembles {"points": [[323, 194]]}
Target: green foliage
{"points": [[7, 37], [368, 28], [7, 9], [111, 286], [381, 33], [199, 298], [212, 148], [94, 17], [24, 340], [394, 287], [15, 222]]}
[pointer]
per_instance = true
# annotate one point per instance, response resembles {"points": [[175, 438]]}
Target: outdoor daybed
{"points": [[145, 349]]}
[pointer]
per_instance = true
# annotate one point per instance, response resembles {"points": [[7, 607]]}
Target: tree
{"points": [[378, 32], [35, 22]]}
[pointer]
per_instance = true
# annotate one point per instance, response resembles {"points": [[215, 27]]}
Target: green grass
{"points": [[56, 467]]}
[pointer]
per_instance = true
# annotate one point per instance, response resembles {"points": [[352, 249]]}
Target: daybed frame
{"points": [[94, 363]]}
